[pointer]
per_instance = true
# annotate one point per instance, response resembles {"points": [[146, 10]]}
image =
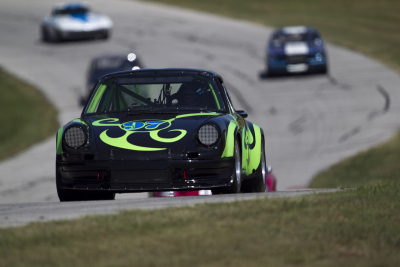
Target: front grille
{"points": [[297, 59], [83, 34], [141, 176]]}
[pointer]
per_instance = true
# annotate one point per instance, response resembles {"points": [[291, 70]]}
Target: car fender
{"points": [[251, 148], [60, 133], [230, 138]]}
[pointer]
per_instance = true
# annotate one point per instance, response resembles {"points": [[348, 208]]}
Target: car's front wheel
{"points": [[106, 35], [44, 34], [258, 183], [236, 175]]}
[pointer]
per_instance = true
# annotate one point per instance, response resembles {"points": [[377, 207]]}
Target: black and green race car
{"points": [[159, 130]]}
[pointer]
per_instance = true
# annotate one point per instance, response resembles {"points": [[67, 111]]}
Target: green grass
{"points": [[350, 228], [369, 26], [25, 114], [379, 164]]}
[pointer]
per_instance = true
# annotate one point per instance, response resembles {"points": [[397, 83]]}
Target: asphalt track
{"points": [[310, 121]]}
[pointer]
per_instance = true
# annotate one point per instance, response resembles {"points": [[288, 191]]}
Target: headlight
{"points": [[208, 135], [75, 137], [318, 57], [318, 41]]}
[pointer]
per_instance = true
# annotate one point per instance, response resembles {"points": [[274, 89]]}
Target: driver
{"points": [[192, 94]]}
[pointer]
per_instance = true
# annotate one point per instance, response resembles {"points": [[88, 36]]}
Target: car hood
{"points": [[145, 137], [82, 21], [296, 48]]}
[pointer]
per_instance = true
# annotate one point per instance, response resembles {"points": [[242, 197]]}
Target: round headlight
{"points": [[75, 137], [208, 135]]}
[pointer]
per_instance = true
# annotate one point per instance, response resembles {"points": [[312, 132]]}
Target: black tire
{"points": [[260, 181], [55, 38], [269, 74], [325, 70], [236, 176], [234, 188], [216, 191], [100, 196], [106, 35], [257, 184], [44, 34]]}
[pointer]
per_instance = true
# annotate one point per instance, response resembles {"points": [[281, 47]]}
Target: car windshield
{"points": [[105, 66], [150, 93], [280, 39], [71, 11]]}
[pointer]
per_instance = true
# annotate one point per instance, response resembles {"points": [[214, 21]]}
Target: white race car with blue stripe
{"points": [[74, 20]]}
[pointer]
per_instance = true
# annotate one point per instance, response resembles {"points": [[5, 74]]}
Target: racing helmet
{"points": [[192, 94]]}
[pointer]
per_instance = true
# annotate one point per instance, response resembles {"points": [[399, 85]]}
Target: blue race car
{"points": [[296, 49]]}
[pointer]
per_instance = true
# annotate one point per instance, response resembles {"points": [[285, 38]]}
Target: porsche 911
{"points": [[154, 130]]}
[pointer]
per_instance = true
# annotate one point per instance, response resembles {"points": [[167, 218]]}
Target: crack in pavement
{"points": [[243, 76], [335, 82], [349, 134], [297, 126], [371, 115]]}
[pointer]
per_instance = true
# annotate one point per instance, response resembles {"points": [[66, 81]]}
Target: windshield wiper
{"points": [[194, 109], [151, 111]]}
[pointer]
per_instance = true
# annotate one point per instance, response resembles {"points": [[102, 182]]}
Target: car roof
{"points": [[112, 55], [295, 30], [168, 70], [71, 5]]}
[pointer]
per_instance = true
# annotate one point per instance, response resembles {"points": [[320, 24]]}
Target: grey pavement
{"points": [[19, 214]]}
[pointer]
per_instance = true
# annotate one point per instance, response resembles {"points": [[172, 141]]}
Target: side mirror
{"points": [[242, 113]]}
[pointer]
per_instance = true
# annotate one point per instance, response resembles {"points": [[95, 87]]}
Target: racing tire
{"points": [[71, 195], [324, 70], [53, 38], [216, 191], [258, 183], [100, 196], [269, 74], [106, 35], [44, 35], [234, 188]]}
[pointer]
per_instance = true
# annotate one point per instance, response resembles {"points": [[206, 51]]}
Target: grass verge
{"points": [[25, 114], [349, 228], [379, 164]]}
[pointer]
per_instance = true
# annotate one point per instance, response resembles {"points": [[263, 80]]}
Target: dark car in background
{"points": [[109, 63], [297, 49]]}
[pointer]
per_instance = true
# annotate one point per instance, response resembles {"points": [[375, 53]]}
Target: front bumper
{"points": [[73, 35], [297, 64], [139, 176]]}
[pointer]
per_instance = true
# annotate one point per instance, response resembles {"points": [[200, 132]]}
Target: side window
{"points": [[231, 107]]}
